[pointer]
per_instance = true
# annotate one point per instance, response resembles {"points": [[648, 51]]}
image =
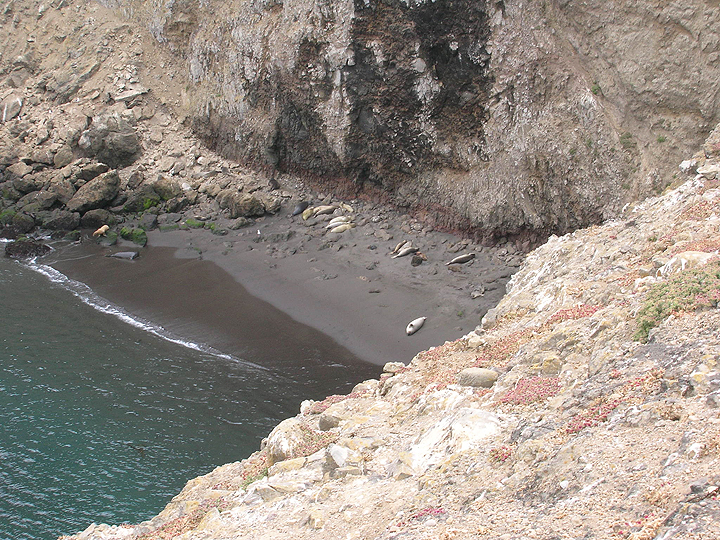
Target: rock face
{"points": [[504, 117]]}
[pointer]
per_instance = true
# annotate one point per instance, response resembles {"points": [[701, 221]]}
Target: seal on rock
{"points": [[415, 325]]}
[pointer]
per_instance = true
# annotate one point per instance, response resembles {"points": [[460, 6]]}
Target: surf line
{"points": [[86, 295]]}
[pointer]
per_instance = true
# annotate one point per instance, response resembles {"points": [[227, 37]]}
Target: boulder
{"points": [[40, 200], [19, 169], [166, 187], [63, 188], [141, 199], [23, 249], [25, 184], [91, 171], [111, 139], [10, 107], [23, 223], [96, 193], [285, 441], [62, 220], [94, 219], [63, 157], [477, 377], [240, 204], [43, 156], [148, 221], [137, 236]]}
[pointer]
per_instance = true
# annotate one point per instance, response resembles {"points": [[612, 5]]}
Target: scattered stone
{"points": [[10, 107], [477, 377]]}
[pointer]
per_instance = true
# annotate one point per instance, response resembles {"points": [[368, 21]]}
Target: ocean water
{"points": [[104, 418]]}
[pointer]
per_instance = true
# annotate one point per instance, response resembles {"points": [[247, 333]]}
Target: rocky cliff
{"points": [[496, 117], [584, 406]]}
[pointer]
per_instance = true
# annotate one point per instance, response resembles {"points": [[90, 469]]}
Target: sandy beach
{"points": [[284, 284]]}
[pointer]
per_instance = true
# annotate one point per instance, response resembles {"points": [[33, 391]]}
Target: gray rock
{"points": [[93, 219], [26, 184], [62, 85], [63, 220], [141, 199], [96, 193], [328, 421], [63, 188], [477, 377], [91, 170], [41, 200], [44, 156], [19, 169], [10, 107], [148, 221], [166, 187], [23, 223], [240, 204], [111, 139]]}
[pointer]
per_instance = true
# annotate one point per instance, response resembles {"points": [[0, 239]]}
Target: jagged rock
{"points": [[90, 171], [26, 184], [148, 221], [166, 187], [63, 188], [23, 249], [141, 199], [63, 157], [63, 84], [10, 107], [63, 220], [93, 219], [96, 193], [240, 204], [111, 139], [44, 156], [23, 223], [19, 169], [8, 154], [40, 200]]}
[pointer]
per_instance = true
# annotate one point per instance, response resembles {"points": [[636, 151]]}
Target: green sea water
{"points": [[104, 419]]}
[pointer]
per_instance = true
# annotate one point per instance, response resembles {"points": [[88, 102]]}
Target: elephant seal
{"points": [[415, 325], [300, 208], [461, 259], [406, 251]]}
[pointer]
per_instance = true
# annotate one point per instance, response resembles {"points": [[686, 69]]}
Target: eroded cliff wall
{"points": [[502, 117]]}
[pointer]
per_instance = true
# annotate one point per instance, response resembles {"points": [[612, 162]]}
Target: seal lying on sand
{"points": [[415, 325]]}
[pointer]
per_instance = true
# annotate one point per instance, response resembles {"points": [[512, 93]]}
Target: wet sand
{"points": [[284, 287]]}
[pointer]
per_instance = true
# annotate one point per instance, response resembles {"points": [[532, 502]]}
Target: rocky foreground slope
{"points": [[584, 406]]}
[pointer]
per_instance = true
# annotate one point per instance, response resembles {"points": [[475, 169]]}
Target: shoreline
{"points": [[346, 289]]}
